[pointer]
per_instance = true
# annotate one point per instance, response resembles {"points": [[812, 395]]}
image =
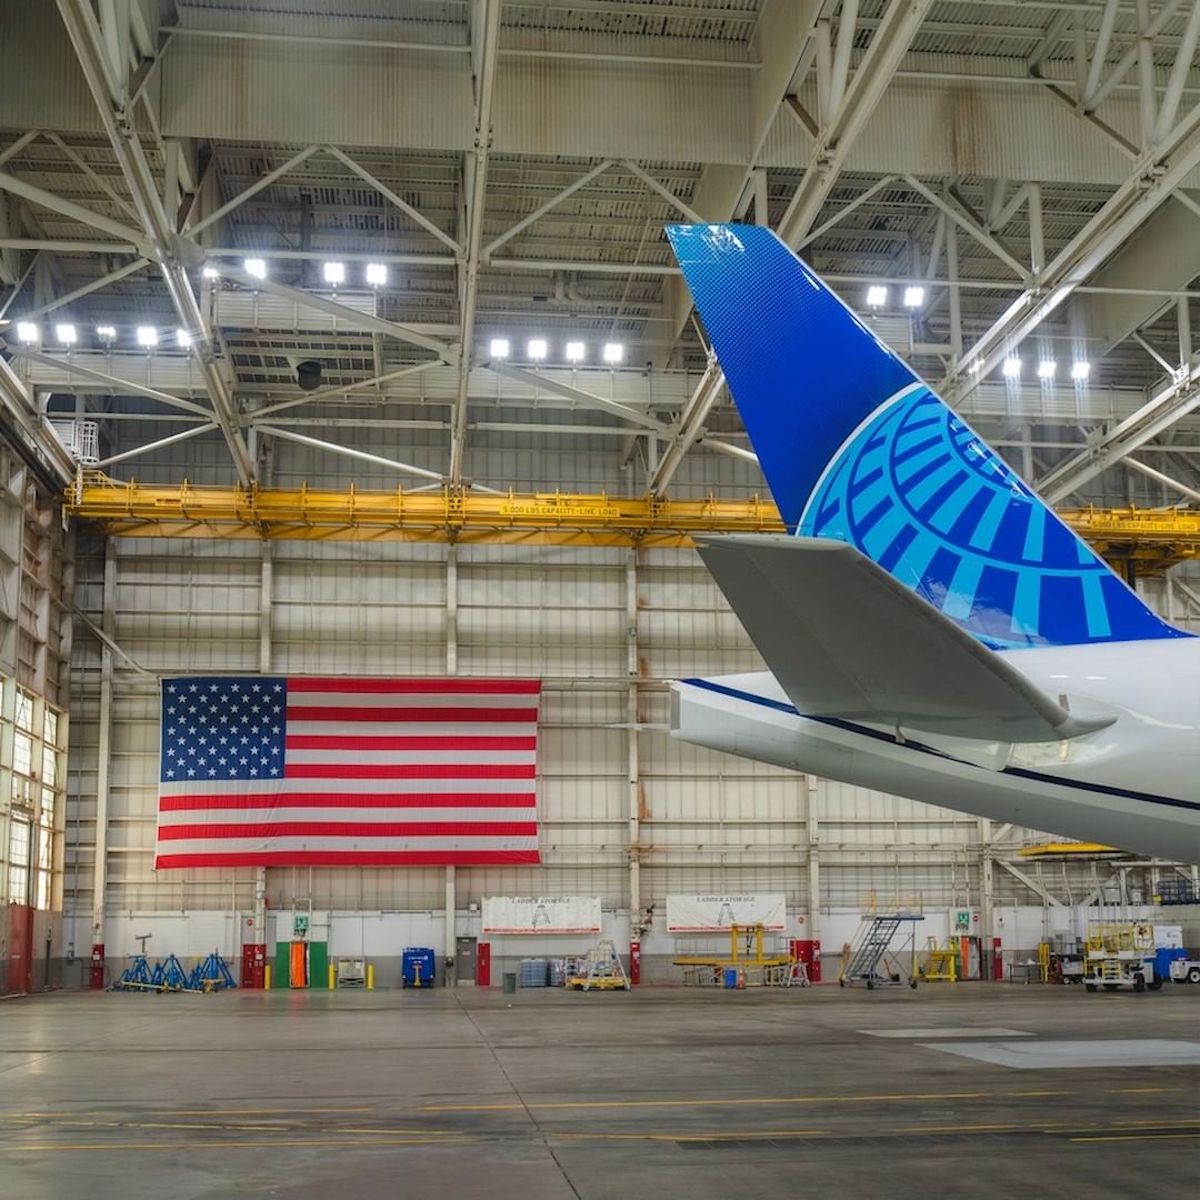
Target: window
{"points": [[50, 726], [18, 862], [41, 897], [49, 766], [24, 712], [22, 753]]}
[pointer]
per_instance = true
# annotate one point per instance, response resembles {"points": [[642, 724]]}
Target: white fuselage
{"points": [[1134, 784]]}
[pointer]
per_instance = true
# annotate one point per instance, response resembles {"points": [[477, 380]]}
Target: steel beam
{"points": [[76, 212], [329, 393], [579, 396], [16, 400], [118, 386], [1159, 477], [257, 186], [376, 460], [887, 50], [665, 192], [485, 49], [160, 444], [1154, 177], [110, 93], [688, 428], [1180, 70], [1174, 400], [402, 204], [87, 289], [353, 318], [543, 209], [1032, 884]]}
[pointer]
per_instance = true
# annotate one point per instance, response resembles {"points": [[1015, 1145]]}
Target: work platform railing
{"points": [[1151, 539]]}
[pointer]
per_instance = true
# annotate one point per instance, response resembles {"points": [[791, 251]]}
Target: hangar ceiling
{"points": [[1026, 175]]}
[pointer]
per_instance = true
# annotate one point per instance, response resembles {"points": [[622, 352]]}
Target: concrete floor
{"points": [[547, 1095]]}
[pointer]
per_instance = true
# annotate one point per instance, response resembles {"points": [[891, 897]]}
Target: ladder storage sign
{"points": [[709, 914]]}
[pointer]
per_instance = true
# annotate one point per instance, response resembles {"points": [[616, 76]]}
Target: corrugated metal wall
{"points": [[707, 822]]}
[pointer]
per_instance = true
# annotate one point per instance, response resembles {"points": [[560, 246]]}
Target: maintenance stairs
{"points": [[866, 959]]}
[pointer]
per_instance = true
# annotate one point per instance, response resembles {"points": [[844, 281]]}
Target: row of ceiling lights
{"points": [[67, 334], [536, 349], [334, 273], [147, 337], [1047, 368]]}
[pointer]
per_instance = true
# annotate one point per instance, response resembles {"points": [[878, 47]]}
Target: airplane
{"points": [[932, 628]]}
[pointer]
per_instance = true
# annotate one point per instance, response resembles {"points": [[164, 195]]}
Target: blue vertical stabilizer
{"points": [[856, 448]]}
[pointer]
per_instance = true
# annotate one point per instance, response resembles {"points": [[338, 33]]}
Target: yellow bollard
{"points": [[370, 977], [267, 978], [332, 977]]}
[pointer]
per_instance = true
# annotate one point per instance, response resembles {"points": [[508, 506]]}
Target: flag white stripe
{"points": [[409, 700], [386, 787], [511, 758], [234, 845], [256, 816], [352, 728]]}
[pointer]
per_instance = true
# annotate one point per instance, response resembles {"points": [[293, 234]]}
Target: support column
{"points": [[103, 759], [954, 300], [987, 931], [265, 592], [1037, 243], [634, 761], [450, 945], [758, 182], [813, 830]]}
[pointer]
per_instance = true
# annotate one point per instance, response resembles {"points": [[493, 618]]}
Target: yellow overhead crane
{"points": [[1144, 539]]}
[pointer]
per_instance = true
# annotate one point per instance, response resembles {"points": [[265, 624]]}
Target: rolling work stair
{"points": [[866, 959]]}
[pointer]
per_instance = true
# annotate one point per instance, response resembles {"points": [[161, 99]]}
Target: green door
{"points": [[281, 976], [318, 965]]}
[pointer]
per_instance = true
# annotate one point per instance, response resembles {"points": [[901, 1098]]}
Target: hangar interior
{"points": [[344, 339]]}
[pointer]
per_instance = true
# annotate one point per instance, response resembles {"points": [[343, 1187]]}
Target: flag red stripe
{"points": [[349, 858], [307, 741], [409, 771], [373, 829], [450, 716], [189, 803], [417, 687]]}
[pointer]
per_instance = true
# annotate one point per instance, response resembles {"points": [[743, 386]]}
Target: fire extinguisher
{"points": [[97, 972], [635, 962]]}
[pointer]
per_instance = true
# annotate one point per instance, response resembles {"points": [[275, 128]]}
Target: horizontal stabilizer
{"points": [[846, 640]]}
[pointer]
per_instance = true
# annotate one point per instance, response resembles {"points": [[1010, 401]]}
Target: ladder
{"points": [[870, 945], [870, 948]]}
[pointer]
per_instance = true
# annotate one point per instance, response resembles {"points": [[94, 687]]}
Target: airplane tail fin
{"points": [[855, 447]]}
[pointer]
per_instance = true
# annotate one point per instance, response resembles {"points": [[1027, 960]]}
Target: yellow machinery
{"points": [[939, 963], [746, 954], [601, 971], [1120, 954], [1144, 539]]}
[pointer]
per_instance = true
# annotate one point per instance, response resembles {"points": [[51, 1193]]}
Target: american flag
{"points": [[273, 771]]}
